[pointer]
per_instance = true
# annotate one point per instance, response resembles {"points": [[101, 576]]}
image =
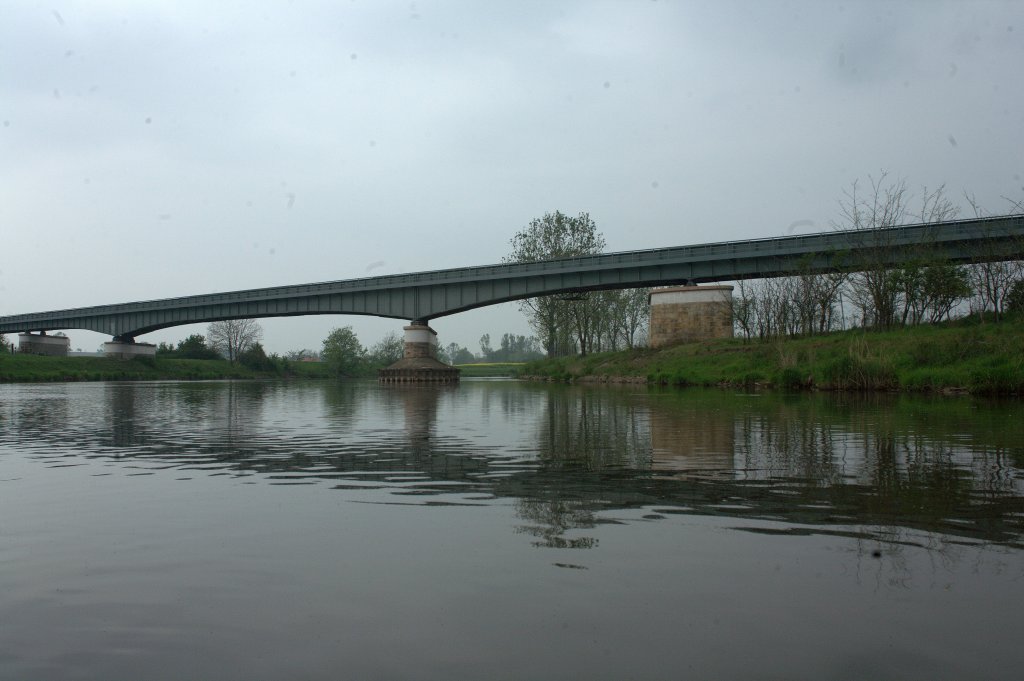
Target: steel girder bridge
{"points": [[422, 296]]}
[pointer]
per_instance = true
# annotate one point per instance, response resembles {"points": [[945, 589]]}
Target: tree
{"points": [[195, 347], [991, 275], [457, 354], [255, 357], [343, 352], [878, 288], [1015, 298], [387, 350], [945, 285], [232, 337], [630, 315], [556, 319]]}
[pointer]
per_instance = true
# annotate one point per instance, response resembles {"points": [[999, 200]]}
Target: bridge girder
{"points": [[429, 295]]}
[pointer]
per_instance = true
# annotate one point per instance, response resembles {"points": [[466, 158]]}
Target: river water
{"points": [[506, 530]]}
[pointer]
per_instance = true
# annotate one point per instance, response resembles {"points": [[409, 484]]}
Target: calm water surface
{"points": [[501, 530]]}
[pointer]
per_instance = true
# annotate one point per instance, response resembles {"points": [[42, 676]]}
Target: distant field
{"points": [[490, 369]]}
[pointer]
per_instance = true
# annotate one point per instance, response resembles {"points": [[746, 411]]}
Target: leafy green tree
{"points": [[195, 347], [516, 348], [343, 352], [1015, 298], [255, 357], [387, 350], [945, 285], [561, 321], [454, 353]]}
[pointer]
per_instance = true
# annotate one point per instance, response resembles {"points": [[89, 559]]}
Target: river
{"points": [[506, 530]]}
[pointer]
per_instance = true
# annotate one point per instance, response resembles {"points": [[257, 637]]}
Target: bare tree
{"points": [[634, 313], [878, 289], [232, 337], [991, 276], [743, 308]]}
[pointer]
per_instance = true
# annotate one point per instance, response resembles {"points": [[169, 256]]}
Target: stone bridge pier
{"points": [[419, 363], [687, 314]]}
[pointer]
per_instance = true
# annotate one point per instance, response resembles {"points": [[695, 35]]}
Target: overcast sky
{"points": [[161, 149]]}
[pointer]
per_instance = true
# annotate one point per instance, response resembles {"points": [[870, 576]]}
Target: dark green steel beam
{"points": [[428, 295]]}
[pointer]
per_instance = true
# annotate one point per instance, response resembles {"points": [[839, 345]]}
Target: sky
{"points": [[162, 149]]}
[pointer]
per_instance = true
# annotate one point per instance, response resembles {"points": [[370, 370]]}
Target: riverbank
{"points": [[24, 368], [963, 356]]}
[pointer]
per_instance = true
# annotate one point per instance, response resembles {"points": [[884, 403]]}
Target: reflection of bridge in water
{"points": [[568, 455]]}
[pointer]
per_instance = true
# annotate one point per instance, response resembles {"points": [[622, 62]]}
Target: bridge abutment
{"points": [[687, 314], [419, 363]]}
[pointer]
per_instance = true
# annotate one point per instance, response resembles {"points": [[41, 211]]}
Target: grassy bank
{"points": [[30, 368], [490, 369], [961, 356]]}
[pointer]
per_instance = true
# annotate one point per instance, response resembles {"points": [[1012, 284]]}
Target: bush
{"points": [[255, 358], [1015, 298], [790, 379]]}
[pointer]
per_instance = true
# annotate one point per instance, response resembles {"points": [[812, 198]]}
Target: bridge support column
{"points": [[41, 344], [122, 349], [688, 314], [419, 363]]}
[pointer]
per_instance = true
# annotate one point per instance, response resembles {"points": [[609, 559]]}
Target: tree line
{"points": [[238, 340], [346, 355]]}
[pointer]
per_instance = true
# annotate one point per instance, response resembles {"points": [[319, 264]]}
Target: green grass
{"points": [[31, 368], [490, 369], [962, 356]]}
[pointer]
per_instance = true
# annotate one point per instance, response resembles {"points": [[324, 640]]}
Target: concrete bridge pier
{"points": [[42, 344], [419, 363], [125, 347]]}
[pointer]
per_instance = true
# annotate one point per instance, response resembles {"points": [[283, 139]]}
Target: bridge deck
{"points": [[427, 295]]}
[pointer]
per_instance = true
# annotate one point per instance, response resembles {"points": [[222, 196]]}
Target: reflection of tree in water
{"points": [[124, 430], [593, 430], [871, 470], [177, 419], [550, 519], [29, 416], [586, 439]]}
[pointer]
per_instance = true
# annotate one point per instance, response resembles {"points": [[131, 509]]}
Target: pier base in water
{"points": [[419, 363]]}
